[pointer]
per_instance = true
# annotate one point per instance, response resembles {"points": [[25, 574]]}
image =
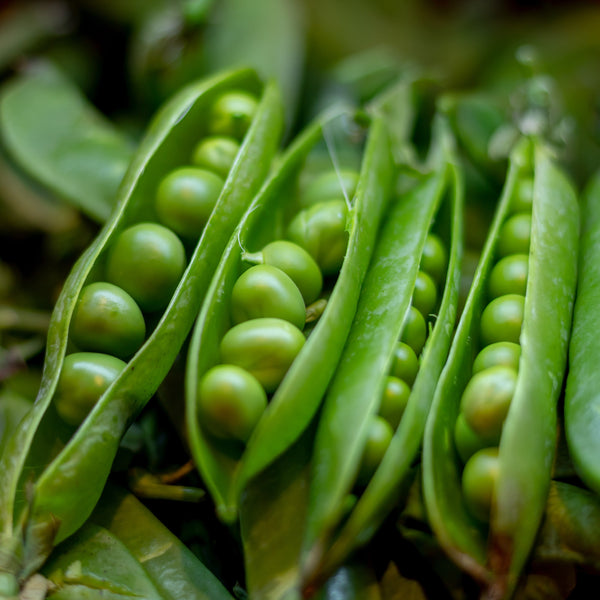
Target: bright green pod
{"points": [[582, 399], [370, 356], [63, 459], [297, 397], [495, 555]]}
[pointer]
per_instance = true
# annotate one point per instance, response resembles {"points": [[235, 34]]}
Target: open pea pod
{"points": [[356, 393], [334, 141], [56, 464], [495, 552], [123, 550], [582, 399]]}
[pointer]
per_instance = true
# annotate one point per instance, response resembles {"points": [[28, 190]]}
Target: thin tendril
{"points": [[329, 142]]}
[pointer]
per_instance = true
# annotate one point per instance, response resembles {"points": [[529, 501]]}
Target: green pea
{"points": [[509, 276], [405, 364], [9, 586], [515, 235], [414, 332], [522, 200], [147, 261], [467, 442], [379, 437], [394, 400], [321, 231], [266, 291], [186, 198], [502, 318], [328, 185], [479, 482], [216, 154], [230, 402], [506, 354], [84, 377], [264, 347], [486, 400], [434, 258], [107, 319], [232, 114], [296, 262], [425, 293]]}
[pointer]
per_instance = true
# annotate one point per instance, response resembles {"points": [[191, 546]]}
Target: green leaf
{"points": [[53, 133]]}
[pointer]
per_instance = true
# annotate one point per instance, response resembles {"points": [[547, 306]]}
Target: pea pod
{"points": [[297, 397], [355, 394], [528, 436], [44, 456], [582, 401]]}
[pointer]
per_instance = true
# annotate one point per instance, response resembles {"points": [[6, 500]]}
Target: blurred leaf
{"points": [[268, 35], [56, 136], [124, 551], [13, 407]]}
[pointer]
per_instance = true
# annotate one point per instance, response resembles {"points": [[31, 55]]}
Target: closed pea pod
{"points": [[582, 423], [294, 401], [59, 504], [495, 554], [371, 353]]}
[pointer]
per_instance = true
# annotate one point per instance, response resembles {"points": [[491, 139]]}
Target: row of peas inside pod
{"points": [[371, 426], [142, 266], [132, 296], [270, 334], [491, 433]]}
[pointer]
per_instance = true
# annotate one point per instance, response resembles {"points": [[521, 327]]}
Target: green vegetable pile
{"points": [[286, 314]]}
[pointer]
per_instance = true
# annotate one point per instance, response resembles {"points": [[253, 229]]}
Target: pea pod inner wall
{"points": [[529, 433], [298, 396], [58, 503]]}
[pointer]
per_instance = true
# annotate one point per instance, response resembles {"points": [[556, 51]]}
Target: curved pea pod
{"points": [[333, 531], [42, 499], [582, 399], [297, 397], [527, 445], [108, 558]]}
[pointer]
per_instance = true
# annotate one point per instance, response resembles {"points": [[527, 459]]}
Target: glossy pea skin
{"points": [[405, 364], [217, 154], [330, 185], [230, 402], [514, 236], [295, 262], [509, 276], [394, 400], [321, 231], [84, 377], [414, 331], [147, 260], [486, 400], [479, 482], [231, 114], [502, 318], [505, 354], [264, 347], [467, 442], [434, 258], [379, 437], [522, 200], [266, 291], [106, 319], [186, 198], [424, 294]]}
